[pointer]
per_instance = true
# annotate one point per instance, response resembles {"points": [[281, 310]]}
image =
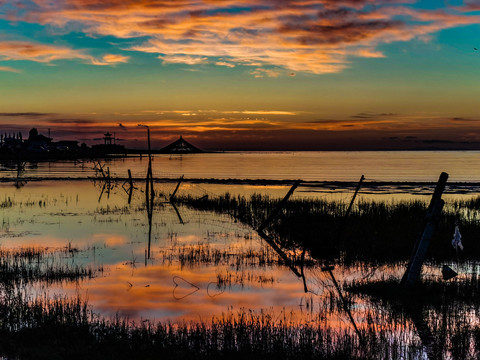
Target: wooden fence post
{"points": [[434, 211], [176, 189], [279, 207]]}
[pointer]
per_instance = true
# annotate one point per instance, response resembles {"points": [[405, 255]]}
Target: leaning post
{"points": [[130, 180], [176, 189], [434, 211], [279, 207]]}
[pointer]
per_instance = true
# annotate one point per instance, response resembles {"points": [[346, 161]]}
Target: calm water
{"points": [[181, 281], [110, 233], [309, 166], [202, 264]]}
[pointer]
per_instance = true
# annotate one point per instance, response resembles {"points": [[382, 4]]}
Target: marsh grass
{"points": [[59, 328], [7, 202], [444, 314], [206, 254], [464, 290], [228, 278], [375, 232], [22, 266]]}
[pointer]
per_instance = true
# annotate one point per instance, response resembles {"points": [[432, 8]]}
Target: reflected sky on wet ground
{"points": [[202, 264]]}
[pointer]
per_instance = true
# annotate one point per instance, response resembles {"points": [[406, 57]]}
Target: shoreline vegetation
{"points": [[377, 232], [436, 318], [43, 328]]}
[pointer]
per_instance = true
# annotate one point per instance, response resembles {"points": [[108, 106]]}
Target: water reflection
{"points": [[314, 166], [227, 261], [200, 264]]}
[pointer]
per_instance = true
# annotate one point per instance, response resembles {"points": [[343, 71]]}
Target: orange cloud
{"points": [[224, 63], [9, 69], [299, 35], [182, 59], [44, 53], [111, 59], [22, 50], [260, 73]]}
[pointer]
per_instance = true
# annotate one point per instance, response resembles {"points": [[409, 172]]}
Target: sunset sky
{"points": [[244, 74]]}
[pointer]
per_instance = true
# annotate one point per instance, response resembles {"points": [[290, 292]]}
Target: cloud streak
{"points": [[45, 53], [299, 35], [9, 69]]}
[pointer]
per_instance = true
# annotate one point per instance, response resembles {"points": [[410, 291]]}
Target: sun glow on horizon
{"points": [[307, 73]]}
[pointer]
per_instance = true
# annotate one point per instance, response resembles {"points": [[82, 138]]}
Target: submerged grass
{"points": [[234, 257], [19, 267]]}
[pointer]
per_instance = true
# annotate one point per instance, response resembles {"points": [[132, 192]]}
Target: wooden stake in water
{"points": [[149, 192], [280, 252], [329, 268], [272, 243], [176, 189], [342, 225], [130, 189], [434, 211], [279, 207], [355, 195], [130, 180]]}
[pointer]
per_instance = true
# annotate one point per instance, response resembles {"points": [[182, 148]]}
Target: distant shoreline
{"points": [[142, 153], [420, 187]]}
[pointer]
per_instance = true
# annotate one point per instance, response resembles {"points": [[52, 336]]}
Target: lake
{"points": [[309, 166], [181, 264]]}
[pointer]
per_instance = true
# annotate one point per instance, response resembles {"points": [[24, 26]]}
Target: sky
{"points": [[244, 74]]}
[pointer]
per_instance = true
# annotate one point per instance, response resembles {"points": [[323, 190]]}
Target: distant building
{"points": [[180, 146], [37, 143], [40, 147], [10, 142], [107, 138], [109, 146], [67, 145]]}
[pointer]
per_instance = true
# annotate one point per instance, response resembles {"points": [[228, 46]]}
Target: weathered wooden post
{"points": [[279, 251], [130, 180], [329, 267], [434, 211], [350, 206], [149, 191], [359, 185], [150, 221], [130, 190], [130, 193], [176, 189], [279, 207], [101, 193]]}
